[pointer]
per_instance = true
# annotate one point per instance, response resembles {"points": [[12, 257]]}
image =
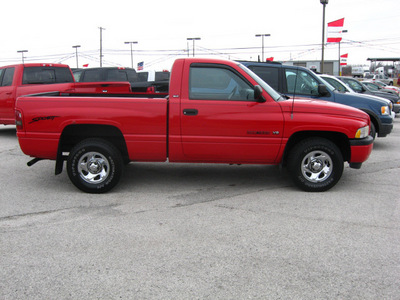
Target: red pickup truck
{"points": [[26, 79], [217, 112]]}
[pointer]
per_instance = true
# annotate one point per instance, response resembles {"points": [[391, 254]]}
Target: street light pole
{"points": [[22, 52], [131, 43], [193, 39], [76, 54], [101, 45], [262, 43], [324, 3]]}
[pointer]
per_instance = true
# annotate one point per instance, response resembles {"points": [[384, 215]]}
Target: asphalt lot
{"points": [[200, 232]]}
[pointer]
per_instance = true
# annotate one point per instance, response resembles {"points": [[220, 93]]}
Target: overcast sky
{"points": [[49, 29]]}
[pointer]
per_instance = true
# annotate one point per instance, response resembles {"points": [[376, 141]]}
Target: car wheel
{"points": [[94, 166], [373, 131], [315, 164]]}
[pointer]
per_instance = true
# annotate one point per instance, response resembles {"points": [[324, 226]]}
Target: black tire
{"points": [[94, 166], [373, 131], [315, 164]]}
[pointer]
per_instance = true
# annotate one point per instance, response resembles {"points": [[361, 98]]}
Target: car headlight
{"points": [[362, 132], [385, 110]]}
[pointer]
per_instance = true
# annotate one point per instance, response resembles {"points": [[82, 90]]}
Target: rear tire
{"points": [[315, 164], [94, 166]]}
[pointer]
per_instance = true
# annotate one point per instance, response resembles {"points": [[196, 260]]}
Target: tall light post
{"points": [[324, 3], [76, 54], [340, 73], [193, 39], [101, 45], [22, 52], [262, 43], [131, 43]]}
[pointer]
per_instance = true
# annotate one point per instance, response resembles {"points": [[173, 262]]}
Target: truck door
{"points": [[7, 96], [222, 122]]}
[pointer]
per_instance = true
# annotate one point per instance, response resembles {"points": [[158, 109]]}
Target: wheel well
{"points": [[339, 139], [73, 134], [374, 120]]}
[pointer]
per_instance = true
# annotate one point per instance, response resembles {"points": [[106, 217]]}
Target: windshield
{"points": [[336, 84], [274, 94]]}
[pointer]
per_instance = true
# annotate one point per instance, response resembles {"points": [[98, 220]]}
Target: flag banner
{"points": [[140, 65], [85, 65], [270, 59], [335, 29], [343, 59]]}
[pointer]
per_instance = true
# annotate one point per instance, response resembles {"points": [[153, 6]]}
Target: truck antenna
{"points": [[294, 94]]}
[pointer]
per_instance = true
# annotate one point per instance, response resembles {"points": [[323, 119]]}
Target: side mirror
{"points": [[258, 93], [322, 90]]}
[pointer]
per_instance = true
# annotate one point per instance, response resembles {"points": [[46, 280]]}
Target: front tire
{"points": [[94, 166], [315, 164]]}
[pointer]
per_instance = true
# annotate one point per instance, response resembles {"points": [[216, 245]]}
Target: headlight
{"points": [[385, 110], [362, 132]]}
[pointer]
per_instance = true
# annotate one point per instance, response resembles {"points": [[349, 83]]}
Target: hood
{"points": [[301, 105], [348, 97]]}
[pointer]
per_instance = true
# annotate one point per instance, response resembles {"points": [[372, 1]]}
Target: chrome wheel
{"points": [[93, 167], [316, 166]]}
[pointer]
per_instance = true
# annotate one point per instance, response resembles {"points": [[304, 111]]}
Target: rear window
{"points": [[46, 75], [162, 76], [142, 76]]}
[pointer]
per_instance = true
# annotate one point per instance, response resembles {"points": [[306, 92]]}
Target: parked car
{"points": [[359, 87], [340, 86], [387, 87], [294, 81], [381, 77], [373, 86]]}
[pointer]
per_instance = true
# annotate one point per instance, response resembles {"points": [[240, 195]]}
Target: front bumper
{"points": [[385, 129], [360, 151]]}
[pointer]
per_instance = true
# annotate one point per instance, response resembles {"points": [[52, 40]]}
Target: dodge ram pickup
{"points": [[217, 112]]}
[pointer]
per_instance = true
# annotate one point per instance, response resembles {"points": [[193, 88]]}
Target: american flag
{"points": [[140, 65]]}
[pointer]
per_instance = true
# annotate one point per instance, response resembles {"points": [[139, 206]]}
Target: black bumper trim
{"points": [[362, 142]]}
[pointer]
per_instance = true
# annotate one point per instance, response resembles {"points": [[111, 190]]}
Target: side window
{"points": [[132, 75], [63, 75], [8, 75], [77, 75], [216, 83], [93, 76], [300, 82], [268, 74], [142, 76], [116, 75]]}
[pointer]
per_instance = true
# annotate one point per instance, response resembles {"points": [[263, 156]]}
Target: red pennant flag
{"points": [[335, 31], [85, 65], [343, 59], [270, 59]]}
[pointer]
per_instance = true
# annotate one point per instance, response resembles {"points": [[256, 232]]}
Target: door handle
{"points": [[190, 112]]}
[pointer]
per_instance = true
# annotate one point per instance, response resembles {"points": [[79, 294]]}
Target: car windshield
{"points": [[336, 84], [274, 94], [328, 85]]}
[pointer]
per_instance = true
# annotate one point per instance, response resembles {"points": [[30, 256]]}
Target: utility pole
{"points": [[76, 54], [193, 39], [131, 43], [101, 45], [22, 52]]}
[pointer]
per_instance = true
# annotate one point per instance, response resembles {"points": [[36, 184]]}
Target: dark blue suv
{"points": [[301, 82]]}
